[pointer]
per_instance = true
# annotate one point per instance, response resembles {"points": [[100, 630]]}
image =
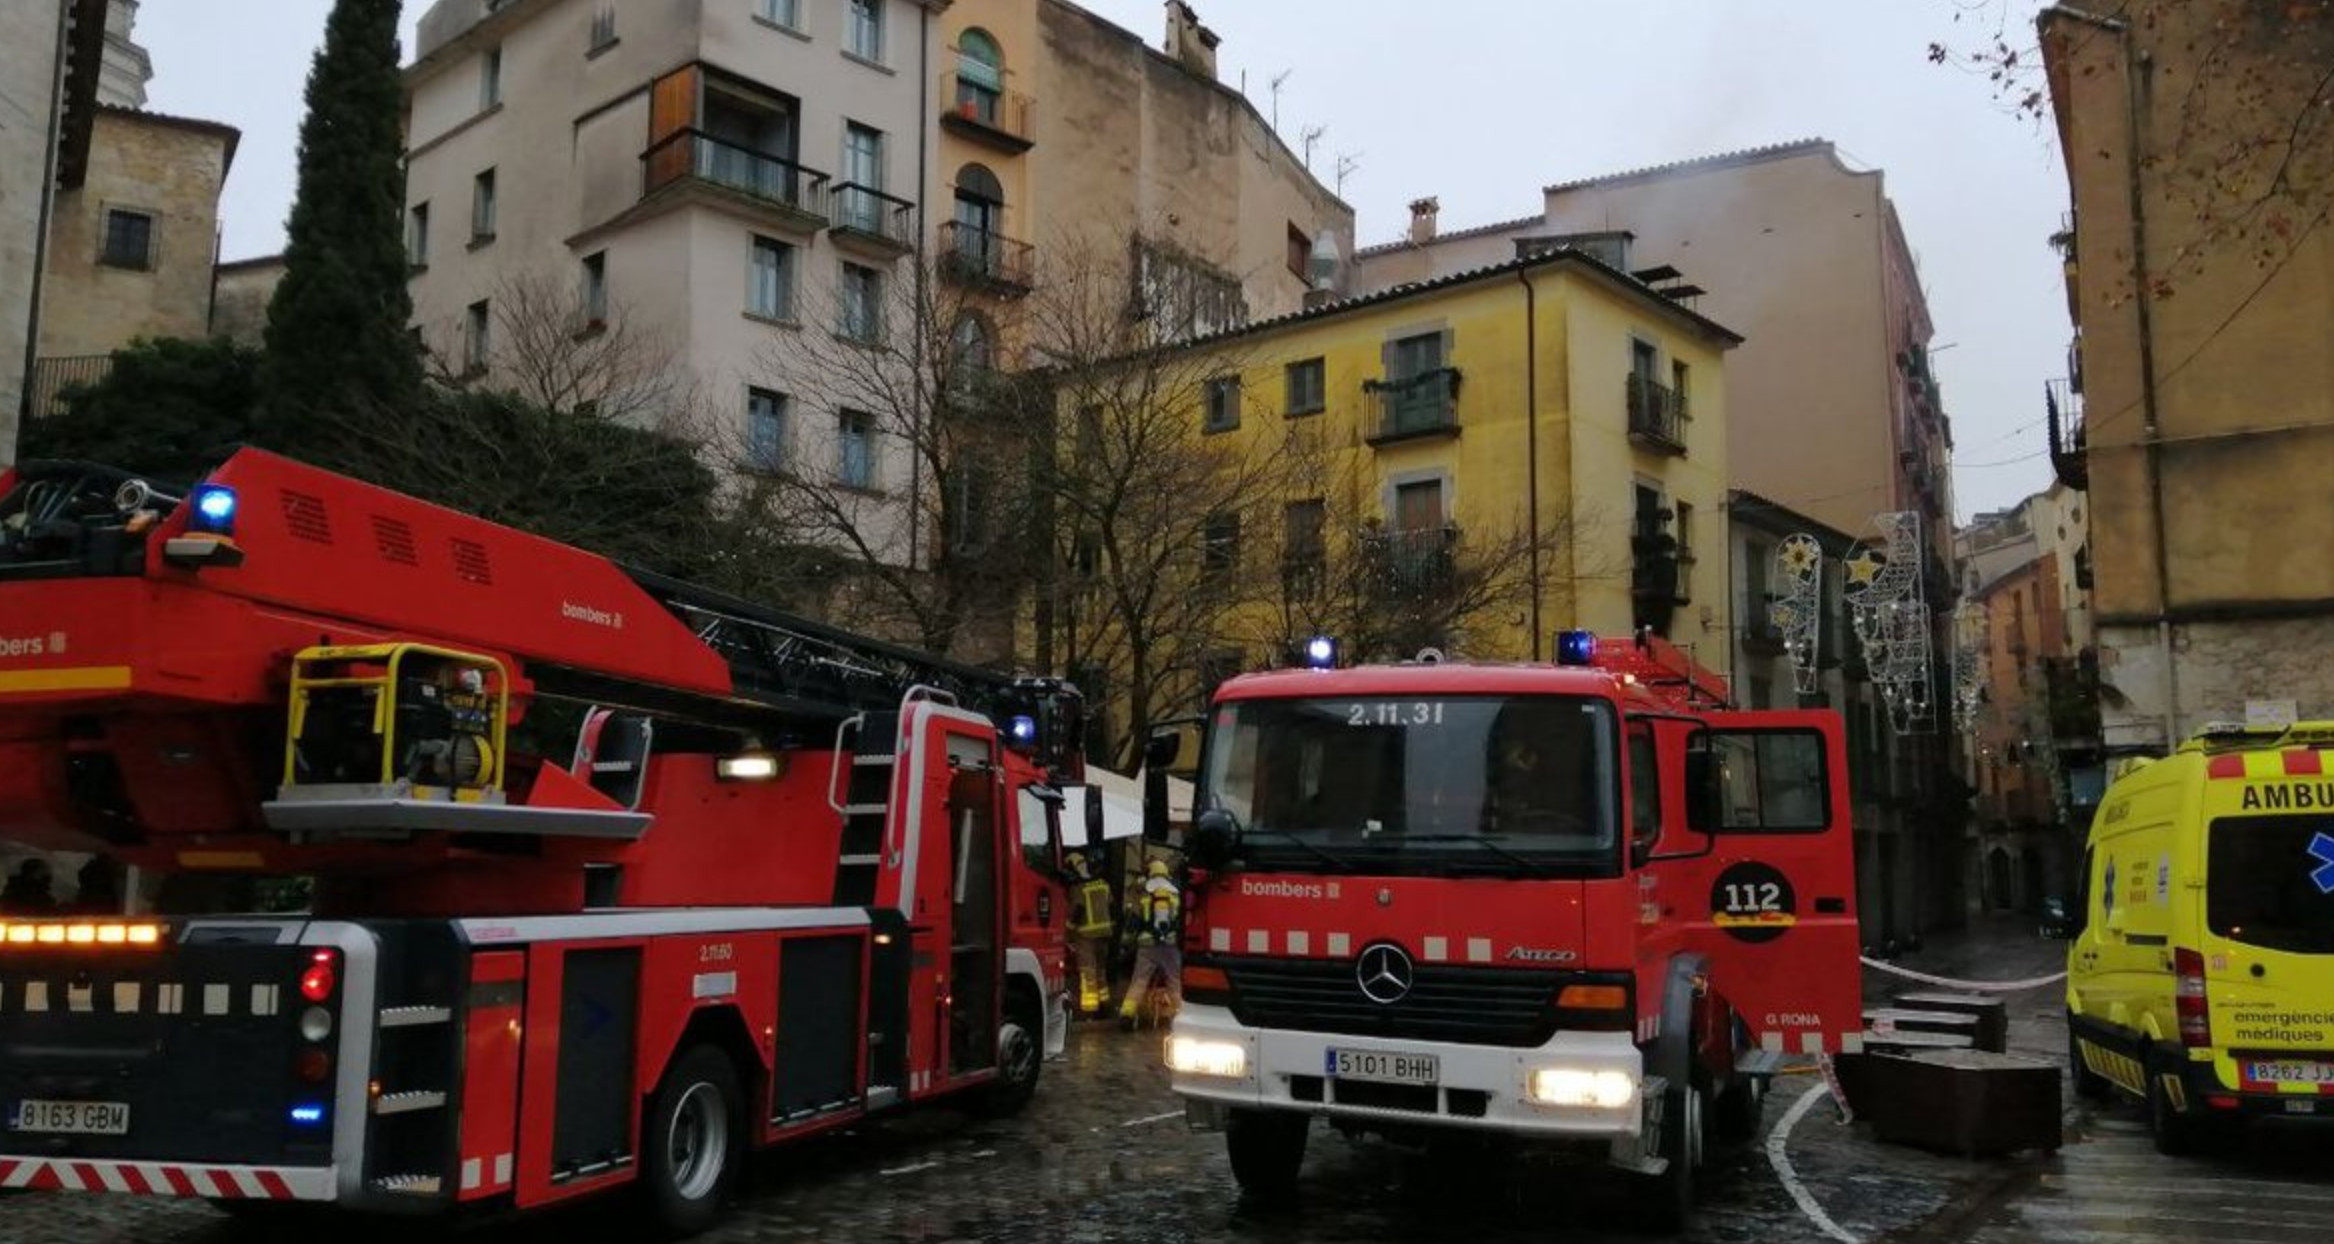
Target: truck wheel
{"points": [[1267, 1147], [2089, 1085], [1668, 1203], [1736, 1115], [1020, 1057], [693, 1141]]}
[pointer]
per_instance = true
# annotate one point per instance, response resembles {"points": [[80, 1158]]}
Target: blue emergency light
{"points": [[1576, 648], [1321, 653], [214, 510], [308, 1114], [1022, 729]]}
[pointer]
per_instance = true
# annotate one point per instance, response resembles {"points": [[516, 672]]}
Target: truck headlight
{"points": [[1193, 1056], [1566, 1086]]}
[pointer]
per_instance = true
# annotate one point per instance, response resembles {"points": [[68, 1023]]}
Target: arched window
{"points": [[980, 215], [980, 75], [971, 353]]}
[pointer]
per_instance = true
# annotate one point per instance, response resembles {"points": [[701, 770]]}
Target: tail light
{"points": [[1206, 983], [321, 978], [2189, 999]]}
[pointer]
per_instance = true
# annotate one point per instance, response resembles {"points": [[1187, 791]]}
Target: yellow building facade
{"points": [[1549, 423]]}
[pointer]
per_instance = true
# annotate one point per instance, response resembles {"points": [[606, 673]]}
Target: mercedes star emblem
{"points": [[1384, 972]]}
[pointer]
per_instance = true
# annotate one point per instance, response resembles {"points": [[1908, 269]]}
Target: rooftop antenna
{"points": [[1277, 79], [1312, 134], [1347, 162]]}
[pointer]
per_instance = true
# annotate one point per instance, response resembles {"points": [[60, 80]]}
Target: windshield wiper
{"points": [[1321, 853], [1479, 840]]}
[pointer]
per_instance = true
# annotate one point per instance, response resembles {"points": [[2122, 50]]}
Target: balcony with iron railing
{"points": [[1421, 405], [872, 222], [797, 195], [53, 378], [1411, 560], [999, 119], [1657, 415], [2069, 456], [986, 260]]}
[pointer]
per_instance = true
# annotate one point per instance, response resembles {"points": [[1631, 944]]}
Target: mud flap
{"points": [[1772, 904]]}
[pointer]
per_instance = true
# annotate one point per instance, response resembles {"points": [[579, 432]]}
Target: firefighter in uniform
{"points": [[1090, 925], [1155, 925]]}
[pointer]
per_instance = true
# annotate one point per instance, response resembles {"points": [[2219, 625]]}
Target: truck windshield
{"points": [[2269, 882], [1474, 785]]}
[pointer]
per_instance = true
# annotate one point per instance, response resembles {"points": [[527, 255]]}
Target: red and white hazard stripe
{"points": [[258, 1183]]}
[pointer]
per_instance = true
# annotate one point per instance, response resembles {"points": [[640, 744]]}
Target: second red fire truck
{"points": [[1583, 907], [614, 879]]}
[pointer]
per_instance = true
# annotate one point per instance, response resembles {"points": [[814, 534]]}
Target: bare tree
{"points": [[563, 348], [896, 443], [1387, 592], [1158, 507], [2237, 124]]}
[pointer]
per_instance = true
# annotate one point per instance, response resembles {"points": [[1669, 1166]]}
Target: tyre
{"points": [[1736, 1114], [1667, 1202], [2175, 1134], [1267, 1148], [693, 1141], [1020, 1059], [2089, 1085]]}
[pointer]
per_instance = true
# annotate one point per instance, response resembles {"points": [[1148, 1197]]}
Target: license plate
{"points": [[2289, 1071], [1382, 1067], [76, 1118]]}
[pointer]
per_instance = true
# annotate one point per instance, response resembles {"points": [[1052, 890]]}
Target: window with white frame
{"points": [[417, 235], [603, 28], [862, 304], [765, 430], [477, 336], [770, 280], [482, 196], [855, 449], [863, 29], [787, 13], [595, 289]]}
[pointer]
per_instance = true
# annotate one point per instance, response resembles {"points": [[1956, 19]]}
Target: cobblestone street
{"points": [[1103, 1157]]}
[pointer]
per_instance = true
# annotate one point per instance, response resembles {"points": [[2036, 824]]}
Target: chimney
{"points": [[1192, 45], [1422, 213]]}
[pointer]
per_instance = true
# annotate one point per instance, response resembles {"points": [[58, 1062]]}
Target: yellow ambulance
{"points": [[2201, 975]]}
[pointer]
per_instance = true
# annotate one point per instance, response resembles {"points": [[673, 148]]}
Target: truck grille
{"points": [[1481, 1006]]}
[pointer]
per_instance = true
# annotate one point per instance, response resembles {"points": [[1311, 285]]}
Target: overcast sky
{"points": [[1481, 104]]}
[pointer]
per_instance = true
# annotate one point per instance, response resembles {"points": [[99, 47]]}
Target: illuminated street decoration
{"points": [[1890, 612], [1797, 607], [1969, 675]]}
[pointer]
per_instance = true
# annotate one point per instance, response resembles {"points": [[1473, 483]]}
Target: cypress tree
{"points": [[337, 339]]}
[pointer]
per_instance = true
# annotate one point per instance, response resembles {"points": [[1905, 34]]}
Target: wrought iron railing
{"points": [[1657, 413], [871, 213], [984, 257], [983, 112], [693, 154], [1416, 404], [52, 378]]}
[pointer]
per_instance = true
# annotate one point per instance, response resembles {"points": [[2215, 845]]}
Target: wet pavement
{"points": [[1103, 1157]]}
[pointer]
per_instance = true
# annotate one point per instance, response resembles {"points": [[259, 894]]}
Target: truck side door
{"points": [[1772, 901]]}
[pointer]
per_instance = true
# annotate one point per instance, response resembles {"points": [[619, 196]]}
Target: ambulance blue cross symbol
{"points": [[2322, 850]]}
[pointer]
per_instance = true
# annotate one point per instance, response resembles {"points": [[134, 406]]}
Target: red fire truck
{"points": [[1585, 907], [613, 879]]}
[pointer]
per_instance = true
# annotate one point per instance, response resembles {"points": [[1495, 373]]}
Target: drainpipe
{"points": [[48, 193], [1532, 442], [923, 294], [2136, 67]]}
